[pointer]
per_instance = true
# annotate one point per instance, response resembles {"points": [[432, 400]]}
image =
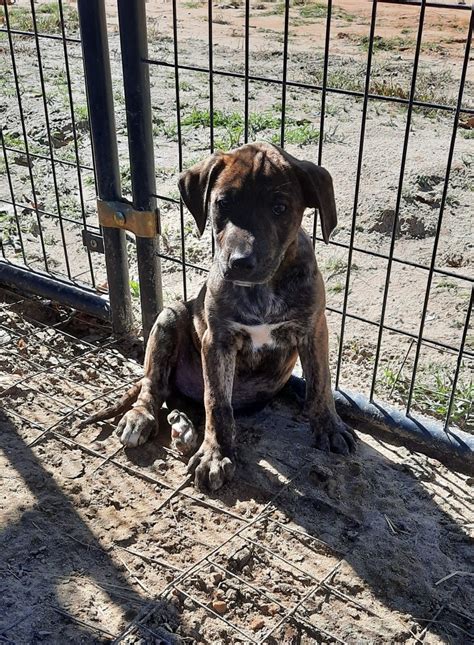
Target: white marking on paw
{"points": [[183, 433]]}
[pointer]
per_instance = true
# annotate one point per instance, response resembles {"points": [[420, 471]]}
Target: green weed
{"points": [[134, 288], [432, 396], [300, 135], [48, 18]]}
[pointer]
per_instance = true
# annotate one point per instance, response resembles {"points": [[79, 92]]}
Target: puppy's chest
{"points": [[264, 335], [266, 323]]}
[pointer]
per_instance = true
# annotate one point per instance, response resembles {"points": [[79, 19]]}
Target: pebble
{"points": [[219, 606], [257, 623]]}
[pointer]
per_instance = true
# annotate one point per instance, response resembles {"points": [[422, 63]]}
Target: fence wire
{"points": [[45, 219]]}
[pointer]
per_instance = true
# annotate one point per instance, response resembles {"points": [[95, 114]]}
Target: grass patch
{"points": [[309, 11], [229, 127], [300, 135], [13, 141], [48, 18], [134, 288], [433, 395], [194, 4], [338, 287], [382, 43], [313, 10]]}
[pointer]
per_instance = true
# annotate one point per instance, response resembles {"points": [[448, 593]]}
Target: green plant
{"points": [[134, 288], [313, 10], [48, 18], [81, 112], [338, 287], [432, 392], [300, 135], [383, 43]]}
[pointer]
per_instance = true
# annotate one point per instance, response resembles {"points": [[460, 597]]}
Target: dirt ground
{"points": [[101, 544]]}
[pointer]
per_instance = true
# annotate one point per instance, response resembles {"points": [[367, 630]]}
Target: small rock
{"points": [[219, 606], [72, 465], [231, 594], [257, 623], [238, 561]]}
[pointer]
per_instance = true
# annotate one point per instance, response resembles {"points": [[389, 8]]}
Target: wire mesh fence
{"points": [[379, 94]]}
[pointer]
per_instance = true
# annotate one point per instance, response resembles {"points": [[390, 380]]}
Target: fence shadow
{"points": [[45, 542], [373, 510]]}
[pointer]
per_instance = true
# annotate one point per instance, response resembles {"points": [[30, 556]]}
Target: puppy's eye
{"points": [[278, 209], [223, 203]]}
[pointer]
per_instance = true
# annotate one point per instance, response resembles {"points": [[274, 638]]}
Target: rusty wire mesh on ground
{"points": [[101, 543]]}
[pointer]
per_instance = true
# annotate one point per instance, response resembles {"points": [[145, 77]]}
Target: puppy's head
{"points": [[255, 196]]}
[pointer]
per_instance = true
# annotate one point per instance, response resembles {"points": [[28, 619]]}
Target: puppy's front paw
{"points": [[183, 433], [135, 427], [331, 434], [212, 466]]}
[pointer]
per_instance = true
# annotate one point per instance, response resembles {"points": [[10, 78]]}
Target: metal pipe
{"points": [[64, 292], [133, 39], [452, 447], [95, 51]]}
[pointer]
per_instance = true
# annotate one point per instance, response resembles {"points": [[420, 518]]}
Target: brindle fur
{"points": [[199, 349]]}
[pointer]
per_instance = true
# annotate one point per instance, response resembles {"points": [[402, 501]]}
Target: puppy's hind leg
{"points": [[161, 355]]}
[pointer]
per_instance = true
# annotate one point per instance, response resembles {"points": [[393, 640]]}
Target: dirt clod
{"points": [[256, 624], [219, 606]]}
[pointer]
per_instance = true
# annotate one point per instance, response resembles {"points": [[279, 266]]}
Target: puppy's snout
{"points": [[242, 261]]}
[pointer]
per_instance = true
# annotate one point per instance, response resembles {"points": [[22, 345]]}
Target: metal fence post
{"points": [[104, 142], [133, 39]]}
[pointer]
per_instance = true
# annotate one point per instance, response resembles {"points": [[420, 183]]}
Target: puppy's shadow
{"points": [[372, 507]]}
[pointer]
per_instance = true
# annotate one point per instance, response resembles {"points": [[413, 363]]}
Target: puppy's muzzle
{"points": [[240, 266]]}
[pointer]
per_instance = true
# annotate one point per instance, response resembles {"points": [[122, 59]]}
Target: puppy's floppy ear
{"points": [[318, 191], [195, 186]]}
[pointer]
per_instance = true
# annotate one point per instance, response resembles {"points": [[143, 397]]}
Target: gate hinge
{"points": [[123, 215]]}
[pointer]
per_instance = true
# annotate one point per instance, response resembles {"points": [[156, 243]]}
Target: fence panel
{"points": [[381, 94], [51, 242]]}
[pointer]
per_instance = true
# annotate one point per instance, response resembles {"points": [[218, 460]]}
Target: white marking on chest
{"points": [[260, 335]]}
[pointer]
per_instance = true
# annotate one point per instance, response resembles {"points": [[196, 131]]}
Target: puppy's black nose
{"points": [[242, 262]]}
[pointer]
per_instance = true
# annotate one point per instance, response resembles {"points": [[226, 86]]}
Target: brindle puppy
{"points": [[262, 305]]}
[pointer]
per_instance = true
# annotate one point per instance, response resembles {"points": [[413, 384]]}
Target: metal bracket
{"points": [[123, 215], [93, 241]]}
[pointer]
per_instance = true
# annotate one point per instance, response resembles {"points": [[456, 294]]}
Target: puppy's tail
{"points": [[125, 404]]}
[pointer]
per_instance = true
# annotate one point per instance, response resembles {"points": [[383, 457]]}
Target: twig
{"points": [[173, 494], [79, 621], [140, 584], [454, 573], [148, 558]]}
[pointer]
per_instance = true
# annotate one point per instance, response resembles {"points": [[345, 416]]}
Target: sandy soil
{"points": [[303, 547]]}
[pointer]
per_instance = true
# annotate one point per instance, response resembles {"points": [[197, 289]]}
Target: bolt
{"points": [[93, 244], [119, 218]]}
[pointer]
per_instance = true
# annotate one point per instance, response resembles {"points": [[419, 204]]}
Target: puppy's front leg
{"points": [[330, 432], [212, 464]]}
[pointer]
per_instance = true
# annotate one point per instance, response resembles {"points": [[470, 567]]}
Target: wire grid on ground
{"points": [[115, 545]]}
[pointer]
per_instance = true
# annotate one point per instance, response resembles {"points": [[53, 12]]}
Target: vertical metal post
{"points": [[133, 39], [95, 51]]}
